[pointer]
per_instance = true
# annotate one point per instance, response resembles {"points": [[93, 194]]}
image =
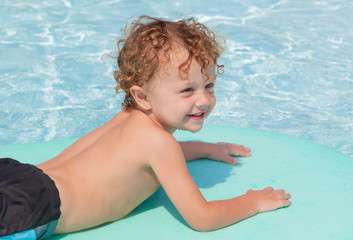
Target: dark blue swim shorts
{"points": [[29, 202]]}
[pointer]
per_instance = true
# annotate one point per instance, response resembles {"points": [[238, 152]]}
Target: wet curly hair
{"points": [[148, 39]]}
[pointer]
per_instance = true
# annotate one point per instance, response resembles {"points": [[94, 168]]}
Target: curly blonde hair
{"points": [[148, 38]]}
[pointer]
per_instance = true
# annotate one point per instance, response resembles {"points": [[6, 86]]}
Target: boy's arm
{"points": [[216, 151], [169, 165]]}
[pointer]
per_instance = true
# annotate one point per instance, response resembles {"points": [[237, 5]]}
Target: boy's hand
{"points": [[269, 199], [224, 151]]}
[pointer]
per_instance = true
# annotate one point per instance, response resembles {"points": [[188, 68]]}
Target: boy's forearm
{"points": [[195, 150], [223, 213], [234, 210]]}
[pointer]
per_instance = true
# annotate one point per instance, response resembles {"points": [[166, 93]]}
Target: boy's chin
{"points": [[194, 129]]}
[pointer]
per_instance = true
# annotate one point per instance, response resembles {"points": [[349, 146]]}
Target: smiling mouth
{"points": [[196, 115]]}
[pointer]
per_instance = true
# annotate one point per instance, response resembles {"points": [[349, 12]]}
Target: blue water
{"points": [[288, 65]]}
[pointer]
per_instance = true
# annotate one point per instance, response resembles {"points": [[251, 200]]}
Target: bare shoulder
{"points": [[155, 140], [165, 143], [162, 143], [143, 125]]}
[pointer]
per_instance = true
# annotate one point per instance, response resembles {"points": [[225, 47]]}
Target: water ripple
{"points": [[288, 65]]}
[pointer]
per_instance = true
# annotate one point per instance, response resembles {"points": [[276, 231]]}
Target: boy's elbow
{"points": [[202, 225], [201, 228], [203, 222], [211, 217]]}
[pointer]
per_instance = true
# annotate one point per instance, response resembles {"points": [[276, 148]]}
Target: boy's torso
{"points": [[104, 175]]}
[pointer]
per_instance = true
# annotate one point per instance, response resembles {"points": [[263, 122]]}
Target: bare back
{"points": [[95, 174]]}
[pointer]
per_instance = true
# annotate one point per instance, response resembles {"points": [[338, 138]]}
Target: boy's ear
{"points": [[140, 96]]}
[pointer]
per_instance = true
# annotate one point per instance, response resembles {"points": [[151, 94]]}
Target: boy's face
{"points": [[178, 102]]}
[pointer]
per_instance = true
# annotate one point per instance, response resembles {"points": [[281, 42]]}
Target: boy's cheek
{"points": [[213, 104]]}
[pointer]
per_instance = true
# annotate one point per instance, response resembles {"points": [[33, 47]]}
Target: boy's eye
{"points": [[209, 87], [187, 90]]}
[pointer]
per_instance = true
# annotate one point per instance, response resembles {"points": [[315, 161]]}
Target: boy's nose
{"points": [[203, 100]]}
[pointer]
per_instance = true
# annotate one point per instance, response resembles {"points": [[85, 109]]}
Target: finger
{"points": [[236, 150], [239, 152], [283, 196], [279, 196], [280, 191], [268, 188], [286, 203], [288, 196], [232, 161], [229, 159], [244, 148], [249, 191]]}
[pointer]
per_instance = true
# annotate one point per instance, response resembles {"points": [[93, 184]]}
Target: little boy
{"points": [[167, 71]]}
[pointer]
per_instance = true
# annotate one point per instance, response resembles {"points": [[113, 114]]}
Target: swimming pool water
{"points": [[288, 65]]}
